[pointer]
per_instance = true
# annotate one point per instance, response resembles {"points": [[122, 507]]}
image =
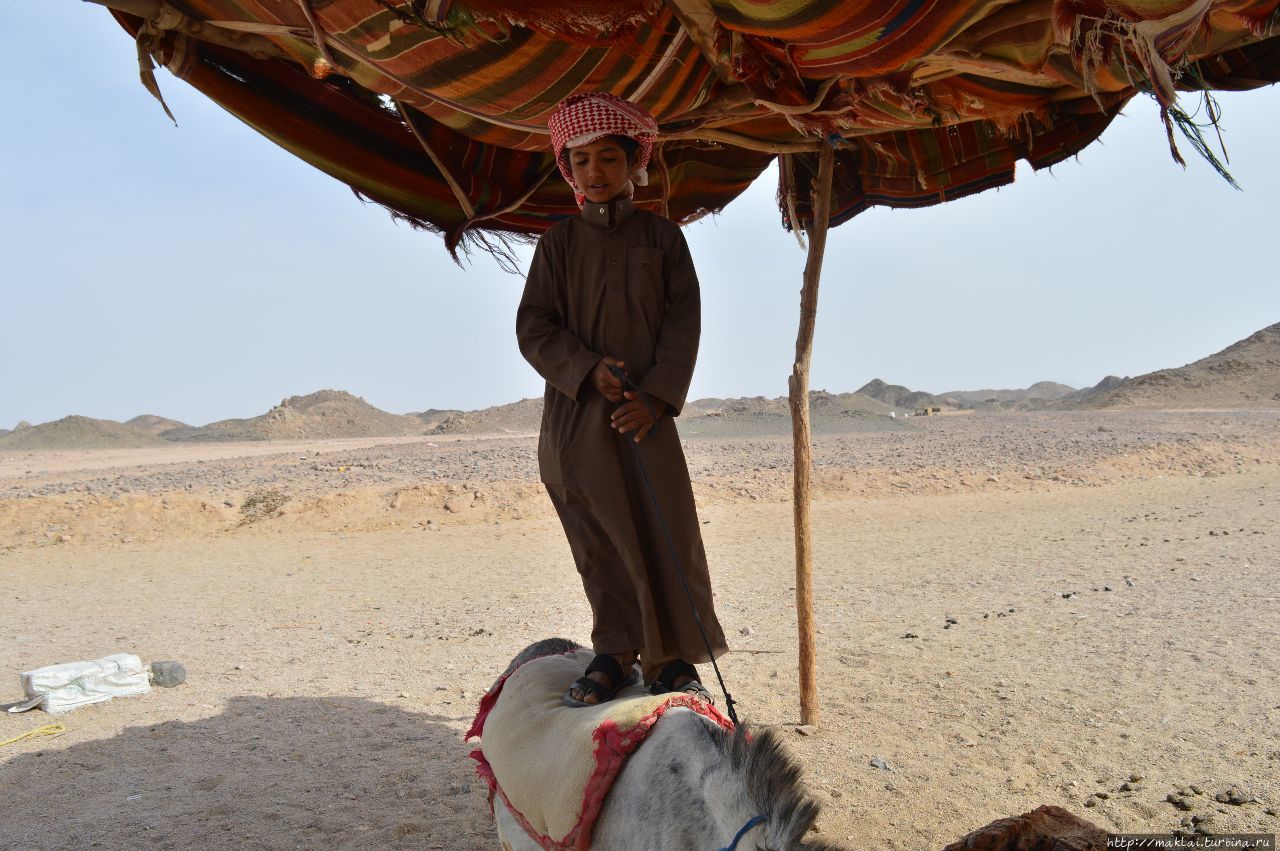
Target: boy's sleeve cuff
{"points": [[579, 368], [669, 388]]}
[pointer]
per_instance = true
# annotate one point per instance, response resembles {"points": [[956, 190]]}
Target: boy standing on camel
{"points": [[615, 286]]}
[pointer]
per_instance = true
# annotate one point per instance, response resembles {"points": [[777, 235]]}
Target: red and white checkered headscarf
{"points": [[583, 119]]}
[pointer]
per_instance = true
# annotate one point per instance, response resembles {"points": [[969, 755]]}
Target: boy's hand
{"points": [[609, 387], [635, 415]]}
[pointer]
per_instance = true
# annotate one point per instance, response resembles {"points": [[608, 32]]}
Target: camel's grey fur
{"points": [[692, 785]]}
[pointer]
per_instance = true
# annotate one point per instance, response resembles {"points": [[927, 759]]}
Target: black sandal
{"points": [[672, 671], [605, 664]]}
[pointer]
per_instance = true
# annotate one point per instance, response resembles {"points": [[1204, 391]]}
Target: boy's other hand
{"points": [[636, 416], [609, 386]]}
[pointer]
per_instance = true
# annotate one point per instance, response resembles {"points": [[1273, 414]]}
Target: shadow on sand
{"points": [[334, 772]]}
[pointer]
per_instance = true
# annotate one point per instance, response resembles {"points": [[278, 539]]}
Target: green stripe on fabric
{"points": [[844, 48]]}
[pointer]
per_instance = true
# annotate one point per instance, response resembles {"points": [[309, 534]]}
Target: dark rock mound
{"points": [[1046, 828]]}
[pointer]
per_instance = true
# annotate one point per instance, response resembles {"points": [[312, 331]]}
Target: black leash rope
{"points": [[671, 547]]}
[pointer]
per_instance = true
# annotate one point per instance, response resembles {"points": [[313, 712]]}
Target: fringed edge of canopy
{"points": [[304, 97]]}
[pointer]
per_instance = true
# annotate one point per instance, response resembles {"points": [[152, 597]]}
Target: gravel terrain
{"points": [[126, 495], [965, 446]]}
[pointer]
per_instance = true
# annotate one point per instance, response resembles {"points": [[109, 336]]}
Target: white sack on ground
{"points": [[71, 685]]}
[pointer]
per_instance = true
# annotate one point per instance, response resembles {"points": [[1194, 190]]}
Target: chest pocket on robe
{"points": [[644, 277]]}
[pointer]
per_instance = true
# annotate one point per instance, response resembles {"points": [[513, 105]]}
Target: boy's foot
{"points": [[602, 680], [680, 676]]}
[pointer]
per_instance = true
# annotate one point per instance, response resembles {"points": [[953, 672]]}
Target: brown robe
{"points": [[619, 281]]}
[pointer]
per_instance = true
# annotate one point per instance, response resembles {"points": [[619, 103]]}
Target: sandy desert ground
{"points": [[1080, 609]]}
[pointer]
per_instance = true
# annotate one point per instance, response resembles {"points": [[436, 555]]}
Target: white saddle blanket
{"points": [[554, 763]]}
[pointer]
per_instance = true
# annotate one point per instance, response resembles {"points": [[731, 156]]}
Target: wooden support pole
{"points": [[463, 201], [698, 19], [820, 196], [740, 141]]}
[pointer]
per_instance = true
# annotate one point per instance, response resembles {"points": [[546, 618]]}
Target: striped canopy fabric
{"points": [[437, 109]]}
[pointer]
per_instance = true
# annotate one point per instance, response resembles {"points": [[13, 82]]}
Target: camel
{"points": [[695, 785]]}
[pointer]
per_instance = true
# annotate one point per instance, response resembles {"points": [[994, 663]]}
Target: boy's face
{"points": [[600, 169]]}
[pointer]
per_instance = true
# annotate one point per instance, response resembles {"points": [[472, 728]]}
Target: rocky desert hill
{"points": [[1046, 390], [1085, 397], [829, 413], [897, 396], [821, 404], [721, 417], [526, 415], [905, 399], [512, 418], [432, 417], [323, 414], [741, 406], [152, 424], [1243, 375], [78, 433]]}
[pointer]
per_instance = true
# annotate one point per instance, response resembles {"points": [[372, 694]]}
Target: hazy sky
{"points": [[200, 272]]}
